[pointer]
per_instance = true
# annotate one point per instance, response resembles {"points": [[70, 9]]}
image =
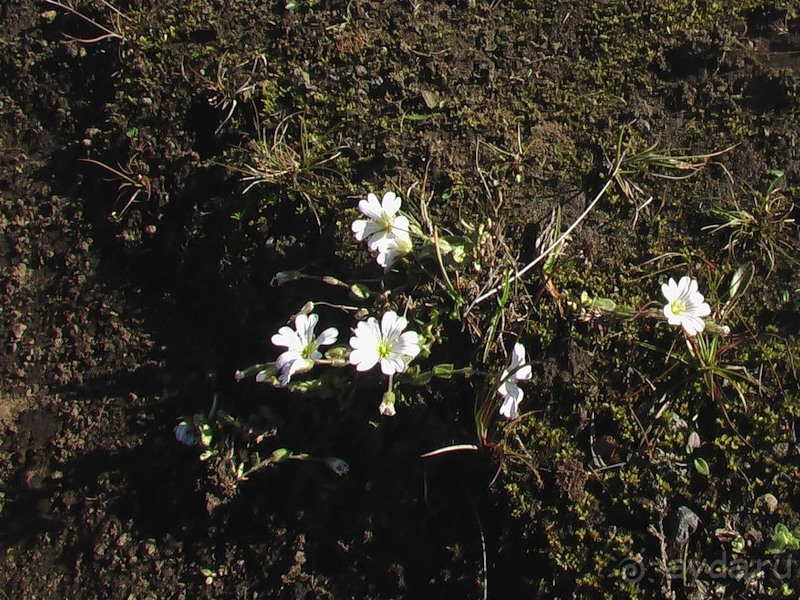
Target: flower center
{"points": [[308, 350], [386, 222], [384, 348], [678, 307]]}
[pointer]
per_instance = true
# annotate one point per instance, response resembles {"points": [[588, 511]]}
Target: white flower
{"points": [[383, 224], [391, 249], [685, 305], [387, 344], [302, 347], [512, 394]]}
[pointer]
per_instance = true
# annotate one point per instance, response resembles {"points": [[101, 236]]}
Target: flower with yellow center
{"points": [[685, 305], [384, 229], [302, 347], [390, 345]]}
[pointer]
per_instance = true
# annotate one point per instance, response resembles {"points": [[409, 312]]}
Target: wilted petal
{"points": [[185, 434]]}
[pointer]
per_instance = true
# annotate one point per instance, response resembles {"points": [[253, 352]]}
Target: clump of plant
{"points": [[289, 157], [762, 227]]}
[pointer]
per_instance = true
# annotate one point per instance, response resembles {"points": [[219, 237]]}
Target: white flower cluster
{"points": [[388, 344], [384, 230]]}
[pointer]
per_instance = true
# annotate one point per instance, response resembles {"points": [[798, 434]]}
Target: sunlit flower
{"points": [[516, 371], [302, 347], [383, 224], [387, 344], [685, 305], [390, 249]]}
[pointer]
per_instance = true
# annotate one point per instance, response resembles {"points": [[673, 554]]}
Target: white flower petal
{"points": [[390, 203], [693, 325], [371, 208], [523, 373], [407, 344], [366, 335], [388, 256], [502, 389], [394, 363], [391, 326], [670, 290], [287, 337], [371, 230], [296, 366], [364, 358], [305, 325], [286, 358], [357, 227], [380, 240], [327, 337], [688, 285], [510, 407], [401, 227], [517, 356]]}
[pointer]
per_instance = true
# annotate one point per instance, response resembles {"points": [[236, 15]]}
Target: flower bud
{"points": [[443, 371], [285, 277], [386, 407], [333, 281]]}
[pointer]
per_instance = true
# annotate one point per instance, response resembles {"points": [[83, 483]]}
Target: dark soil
{"points": [[134, 285]]}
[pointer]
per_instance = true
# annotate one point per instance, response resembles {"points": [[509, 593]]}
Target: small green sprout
{"points": [[783, 539]]}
